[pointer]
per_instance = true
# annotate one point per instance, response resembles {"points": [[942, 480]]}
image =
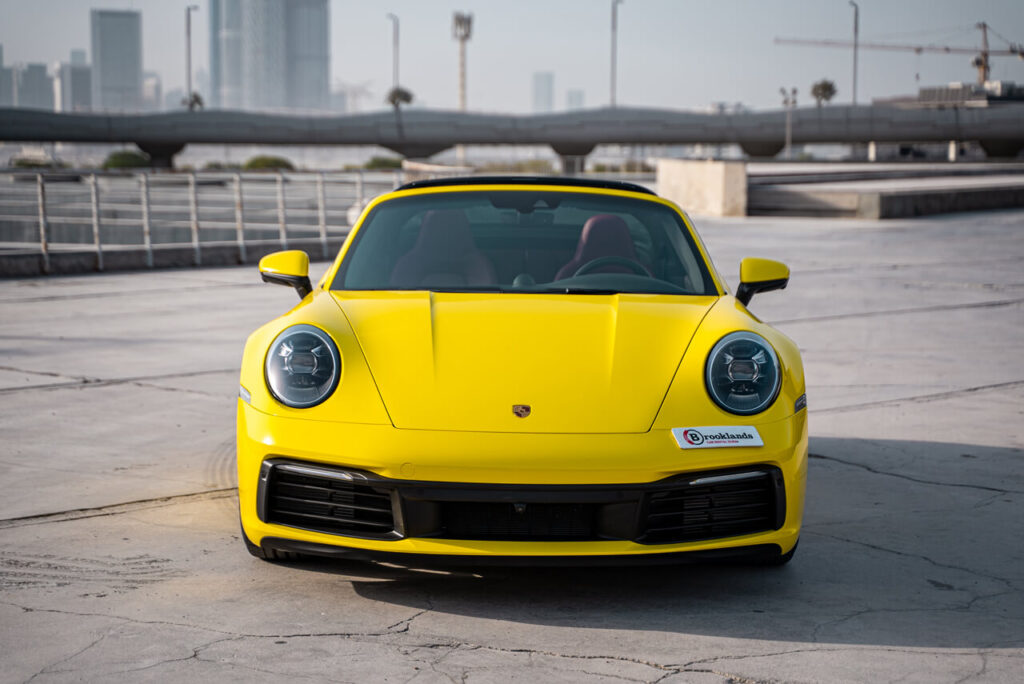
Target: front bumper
{"points": [[507, 496]]}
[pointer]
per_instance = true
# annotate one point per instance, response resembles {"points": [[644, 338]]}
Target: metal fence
{"points": [[49, 211]]}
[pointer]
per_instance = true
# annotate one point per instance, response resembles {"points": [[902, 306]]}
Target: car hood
{"points": [[582, 363]]}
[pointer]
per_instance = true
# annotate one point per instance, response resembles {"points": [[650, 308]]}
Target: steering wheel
{"points": [[600, 262]]}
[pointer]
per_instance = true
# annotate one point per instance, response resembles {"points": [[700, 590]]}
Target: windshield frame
{"points": [[713, 286]]}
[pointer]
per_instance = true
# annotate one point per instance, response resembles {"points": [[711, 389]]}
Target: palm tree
{"points": [[823, 91], [193, 101], [397, 97]]}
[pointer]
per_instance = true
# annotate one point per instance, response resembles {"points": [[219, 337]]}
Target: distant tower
{"points": [[225, 54], [307, 55], [72, 85], [270, 54], [116, 60], [263, 54], [34, 87], [152, 92], [543, 92], [574, 99], [6, 82]]}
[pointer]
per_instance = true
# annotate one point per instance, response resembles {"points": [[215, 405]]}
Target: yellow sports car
{"points": [[522, 370]]}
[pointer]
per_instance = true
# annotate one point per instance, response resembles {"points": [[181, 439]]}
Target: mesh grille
{"points": [[726, 509], [328, 505], [711, 505]]}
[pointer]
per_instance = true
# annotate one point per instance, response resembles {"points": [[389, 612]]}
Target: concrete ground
{"points": [[120, 557]]}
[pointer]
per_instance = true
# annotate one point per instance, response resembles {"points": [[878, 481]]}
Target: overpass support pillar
{"points": [[573, 164], [573, 156], [161, 155]]}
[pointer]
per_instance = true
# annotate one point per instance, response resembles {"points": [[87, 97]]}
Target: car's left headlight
{"points": [[303, 366], [743, 374]]}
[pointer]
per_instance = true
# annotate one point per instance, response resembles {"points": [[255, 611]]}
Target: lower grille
{"points": [[313, 499], [518, 522], [723, 506], [695, 507]]}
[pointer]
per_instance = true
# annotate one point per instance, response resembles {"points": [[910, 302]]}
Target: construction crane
{"points": [[980, 61]]}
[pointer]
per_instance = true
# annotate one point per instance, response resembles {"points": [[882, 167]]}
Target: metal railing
{"points": [[43, 212]]}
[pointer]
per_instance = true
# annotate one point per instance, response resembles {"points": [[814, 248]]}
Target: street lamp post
{"points": [[789, 102], [462, 29], [394, 50], [856, 38], [615, 31], [190, 101]]}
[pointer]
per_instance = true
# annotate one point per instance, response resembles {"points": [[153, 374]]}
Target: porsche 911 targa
{"points": [[522, 370]]}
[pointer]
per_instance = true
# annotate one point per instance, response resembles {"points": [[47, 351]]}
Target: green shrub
{"points": [[125, 159], [268, 163], [534, 166], [36, 163], [377, 163]]}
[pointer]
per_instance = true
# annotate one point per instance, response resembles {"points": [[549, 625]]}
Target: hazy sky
{"points": [[672, 53]]}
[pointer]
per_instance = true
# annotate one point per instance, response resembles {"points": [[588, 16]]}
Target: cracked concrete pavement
{"points": [[120, 558]]}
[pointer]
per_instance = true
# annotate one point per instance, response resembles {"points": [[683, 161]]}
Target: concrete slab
{"points": [[889, 198], [909, 568]]}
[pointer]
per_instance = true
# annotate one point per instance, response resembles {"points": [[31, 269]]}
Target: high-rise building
{"points": [[574, 99], [269, 54], [78, 57], [116, 60], [307, 55], [543, 92], [263, 54], [6, 83], [33, 87], [225, 54], [72, 87], [152, 92]]}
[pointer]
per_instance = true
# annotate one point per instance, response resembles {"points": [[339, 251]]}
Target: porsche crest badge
{"points": [[521, 410]]}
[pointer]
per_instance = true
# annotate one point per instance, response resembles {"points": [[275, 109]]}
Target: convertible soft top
{"points": [[528, 180]]}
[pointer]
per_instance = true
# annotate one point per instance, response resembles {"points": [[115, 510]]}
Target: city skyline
{"points": [[670, 54]]}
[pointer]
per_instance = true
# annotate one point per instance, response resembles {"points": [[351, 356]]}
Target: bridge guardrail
{"points": [[43, 211]]}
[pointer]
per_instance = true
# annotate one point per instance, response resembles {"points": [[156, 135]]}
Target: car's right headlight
{"points": [[743, 374], [302, 367]]}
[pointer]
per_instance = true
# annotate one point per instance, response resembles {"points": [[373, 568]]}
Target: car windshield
{"points": [[542, 241]]}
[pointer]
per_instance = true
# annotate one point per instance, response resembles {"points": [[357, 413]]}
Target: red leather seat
{"points": [[603, 235], [444, 255]]}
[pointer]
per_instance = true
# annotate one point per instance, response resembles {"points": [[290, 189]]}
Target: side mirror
{"points": [[289, 268], [760, 275]]}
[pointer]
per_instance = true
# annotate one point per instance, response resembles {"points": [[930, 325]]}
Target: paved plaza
{"points": [[121, 561]]}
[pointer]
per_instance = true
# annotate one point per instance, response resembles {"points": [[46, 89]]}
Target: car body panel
{"points": [[429, 380], [508, 458], [460, 361]]}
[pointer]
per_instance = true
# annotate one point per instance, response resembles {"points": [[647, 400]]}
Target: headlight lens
{"points": [[303, 366], [742, 373]]}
